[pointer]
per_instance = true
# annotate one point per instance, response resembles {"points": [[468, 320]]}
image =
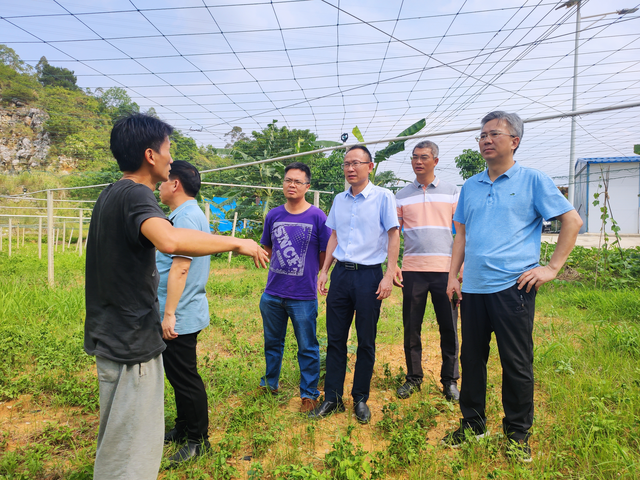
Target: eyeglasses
{"points": [[422, 158], [493, 135], [356, 164], [297, 183]]}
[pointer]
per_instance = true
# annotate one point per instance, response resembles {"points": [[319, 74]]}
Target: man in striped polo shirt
{"points": [[425, 211]]}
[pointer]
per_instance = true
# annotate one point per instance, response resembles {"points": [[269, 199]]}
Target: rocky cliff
{"points": [[23, 142]]}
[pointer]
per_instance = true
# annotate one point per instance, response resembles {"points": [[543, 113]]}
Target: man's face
{"points": [[166, 190], [295, 184], [357, 175], [423, 162], [497, 146], [163, 160]]}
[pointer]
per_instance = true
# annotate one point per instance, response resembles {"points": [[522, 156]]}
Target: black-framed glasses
{"points": [[297, 183], [492, 135], [356, 164]]}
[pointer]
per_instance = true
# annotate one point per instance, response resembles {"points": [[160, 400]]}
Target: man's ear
{"points": [[149, 156], [515, 142], [436, 160]]}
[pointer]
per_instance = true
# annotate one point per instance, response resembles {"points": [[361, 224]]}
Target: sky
{"points": [[329, 65]]}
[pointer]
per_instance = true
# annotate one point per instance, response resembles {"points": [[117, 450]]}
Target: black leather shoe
{"points": [[363, 414], [326, 408], [189, 451], [451, 392], [174, 435], [406, 390]]}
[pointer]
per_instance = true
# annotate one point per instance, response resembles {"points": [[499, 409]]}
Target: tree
{"points": [[469, 163], [234, 135], [10, 58], [183, 147], [115, 101], [48, 75]]}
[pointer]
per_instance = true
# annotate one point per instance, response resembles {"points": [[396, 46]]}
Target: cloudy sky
{"points": [[329, 65]]}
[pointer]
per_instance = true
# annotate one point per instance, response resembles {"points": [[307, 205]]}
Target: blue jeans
{"points": [[303, 313]]}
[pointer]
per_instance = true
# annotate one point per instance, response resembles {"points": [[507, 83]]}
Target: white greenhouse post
{"points": [[50, 237], [233, 230], [39, 237]]}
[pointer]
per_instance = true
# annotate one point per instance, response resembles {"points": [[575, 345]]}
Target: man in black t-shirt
{"points": [[123, 326]]}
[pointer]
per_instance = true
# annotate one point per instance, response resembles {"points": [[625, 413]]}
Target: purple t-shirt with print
{"points": [[296, 241]]}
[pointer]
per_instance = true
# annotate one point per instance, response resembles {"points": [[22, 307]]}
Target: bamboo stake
{"points": [[50, 237], [80, 235], [71, 235], [9, 236], [40, 237], [57, 233], [64, 234]]}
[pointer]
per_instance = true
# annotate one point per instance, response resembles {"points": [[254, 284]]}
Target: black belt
{"points": [[357, 266]]}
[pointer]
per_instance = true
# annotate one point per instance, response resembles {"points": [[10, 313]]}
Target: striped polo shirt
{"points": [[426, 214]]}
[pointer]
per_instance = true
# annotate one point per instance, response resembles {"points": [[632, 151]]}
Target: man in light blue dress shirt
{"points": [[364, 224]]}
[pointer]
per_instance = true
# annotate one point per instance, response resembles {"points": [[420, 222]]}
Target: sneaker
{"points": [[308, 404], [519, 450], [456, 438], [406, 390]]}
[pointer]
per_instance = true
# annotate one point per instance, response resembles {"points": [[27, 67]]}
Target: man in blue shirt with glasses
{"points": [[498, 222]]}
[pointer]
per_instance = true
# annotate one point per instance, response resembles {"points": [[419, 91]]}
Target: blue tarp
{"points": [[219, 211]]}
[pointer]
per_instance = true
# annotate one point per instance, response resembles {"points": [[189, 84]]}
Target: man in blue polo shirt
{"points": [[499, 223], [364, 225], [184, 310]]}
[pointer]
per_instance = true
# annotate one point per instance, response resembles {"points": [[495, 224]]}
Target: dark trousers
{"points": [[349, 291], [181, 368], [509, 314], [417, 285]]}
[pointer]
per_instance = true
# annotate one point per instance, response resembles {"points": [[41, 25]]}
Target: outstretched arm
{"points": [[538, 276], [194, 243]]}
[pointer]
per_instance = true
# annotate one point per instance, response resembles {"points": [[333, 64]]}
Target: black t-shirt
{"points": [[123, 320]]}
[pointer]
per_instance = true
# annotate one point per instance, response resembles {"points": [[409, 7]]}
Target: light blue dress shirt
{"points": [[192, 314], [503, 225], [361, 224]]}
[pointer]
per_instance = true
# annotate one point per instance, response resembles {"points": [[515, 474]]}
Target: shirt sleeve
{"points": [[458, 216], [184, 221], [331, 218], [549, 201], [399, 212], [266, 233], [140, 206], [389, 213], [324, 232]]}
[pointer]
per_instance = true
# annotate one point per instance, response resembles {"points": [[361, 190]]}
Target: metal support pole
{"points": [[64, 234], [233, 230], [9, 236], [316, 199], [574, 102], [50, 237]]}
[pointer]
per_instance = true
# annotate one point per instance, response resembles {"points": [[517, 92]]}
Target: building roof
{"points": [[582, 162]]}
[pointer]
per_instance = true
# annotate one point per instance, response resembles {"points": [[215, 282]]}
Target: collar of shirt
{"points": [[419, 185], [365, 193], [177, 210], [484, 176]]}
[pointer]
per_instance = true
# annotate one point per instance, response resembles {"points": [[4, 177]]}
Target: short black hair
{"points": [[188, 175], [299, 166], [363, 148], [132, 135]]}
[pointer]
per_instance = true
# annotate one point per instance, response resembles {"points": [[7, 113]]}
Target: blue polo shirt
{"points": [[361, 224], [503, 225], [192, 314]]}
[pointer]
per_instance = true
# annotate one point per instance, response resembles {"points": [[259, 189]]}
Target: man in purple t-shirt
{"points": [[295, 237]]}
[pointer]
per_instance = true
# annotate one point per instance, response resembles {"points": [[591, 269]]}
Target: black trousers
{"points": [[349, 291], [181, 368], [417, 285], [509, 314]]}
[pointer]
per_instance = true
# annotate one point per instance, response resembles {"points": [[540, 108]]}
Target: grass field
{"points": [[587, 365]]}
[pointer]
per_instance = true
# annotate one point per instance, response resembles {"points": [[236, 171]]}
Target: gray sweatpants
{"points": [[131, 431]]}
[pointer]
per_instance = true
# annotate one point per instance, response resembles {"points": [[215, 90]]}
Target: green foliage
{"points": [[10, 58], [50, 76], [398, 146], [299, 472], [116, 103], [470, 162], [348, 461], [14, 84], [636, 149]]}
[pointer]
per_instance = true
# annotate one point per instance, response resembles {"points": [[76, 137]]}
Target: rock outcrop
{"points": [[24, 143]]}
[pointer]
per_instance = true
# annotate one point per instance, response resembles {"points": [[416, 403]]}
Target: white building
{"points": [[620, 177]]}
